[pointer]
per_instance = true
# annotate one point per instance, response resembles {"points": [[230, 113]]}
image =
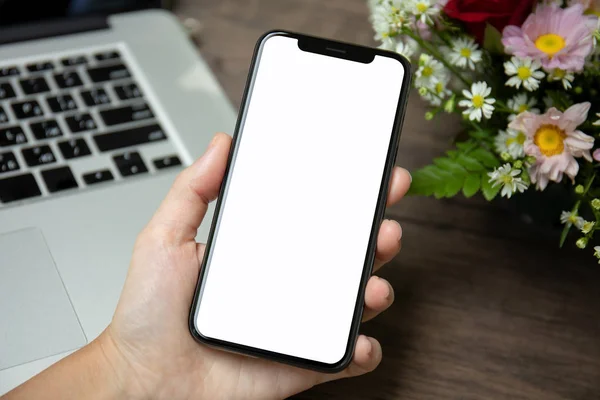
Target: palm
{"points": [[150, 326]]}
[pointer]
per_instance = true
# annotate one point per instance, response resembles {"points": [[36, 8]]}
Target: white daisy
{"points": [[526, 72], [477, 103], [429, 72], [597, 123], [565, 77], [388, 44], [438, 91], [587, 227], [509, 179], [423, 10], [464, 53], [569, 218], [511, 141], [388, 20], [521, 103], [407, 48]]}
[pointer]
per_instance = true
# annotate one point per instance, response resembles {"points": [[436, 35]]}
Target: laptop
{"points": [[99, 111]]}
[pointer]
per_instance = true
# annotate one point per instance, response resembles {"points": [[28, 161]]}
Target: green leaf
{"points": [[469, 163], [463, 146], [563, 235], [481, 135], [452, 154], [492, 40], [488, 191], [472, 185], [453, 186], [449, 165], [440, 192], [427, 180], [486, 157]]}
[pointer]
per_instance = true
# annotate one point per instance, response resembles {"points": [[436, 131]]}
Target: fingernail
{"points": [[213, 141], [399, 228], [370, 347], [389, 292], [409, 175]]}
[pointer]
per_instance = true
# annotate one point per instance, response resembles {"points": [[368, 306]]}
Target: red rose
{"points": [[499, 13]]}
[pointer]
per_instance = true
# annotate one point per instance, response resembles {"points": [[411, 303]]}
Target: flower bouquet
{"points": [[524, 75]]}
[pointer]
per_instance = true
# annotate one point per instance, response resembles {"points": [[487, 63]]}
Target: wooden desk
{"points": [[485, 307]]}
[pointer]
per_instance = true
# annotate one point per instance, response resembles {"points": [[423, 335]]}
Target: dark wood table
{"points": [[486, 306]]}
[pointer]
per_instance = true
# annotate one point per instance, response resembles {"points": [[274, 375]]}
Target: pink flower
{"points": [[557, 37], [596, 155], [554, 141]]}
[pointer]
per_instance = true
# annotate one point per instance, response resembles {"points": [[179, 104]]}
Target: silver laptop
{"points": [[97, 116]]}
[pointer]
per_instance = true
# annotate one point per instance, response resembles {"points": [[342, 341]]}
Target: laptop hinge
{"points": [[46, 29]]}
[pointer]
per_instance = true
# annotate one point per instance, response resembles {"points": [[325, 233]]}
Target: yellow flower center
{"points": [[439, 88], [549, 139], [466, 53], [427, 71], [559, 73], [523, 108], [520, 139], [593, 11], [523, 73], [478, 101], [422, 7], [550, 43]]}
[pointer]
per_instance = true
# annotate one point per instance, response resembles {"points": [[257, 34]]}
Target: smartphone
{"points": [[293, 237]]}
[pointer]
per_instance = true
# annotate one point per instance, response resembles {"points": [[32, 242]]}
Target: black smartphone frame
{"points": [[336, 49]]}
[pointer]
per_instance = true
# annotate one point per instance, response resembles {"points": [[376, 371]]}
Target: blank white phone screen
{"points": [[291, 243]]}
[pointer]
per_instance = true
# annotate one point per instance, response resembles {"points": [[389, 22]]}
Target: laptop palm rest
{"points": [[37, 319]]}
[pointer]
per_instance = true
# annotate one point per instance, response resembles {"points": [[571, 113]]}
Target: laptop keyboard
{"points": [[57, 111]]}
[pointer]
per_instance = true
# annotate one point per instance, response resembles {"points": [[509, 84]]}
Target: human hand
{"points": [[148, 345]]}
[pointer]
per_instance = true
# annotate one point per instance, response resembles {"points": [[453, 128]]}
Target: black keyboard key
{"points": [[8, 162], [45, 129], [95, 97], [80, 122], [74, 148], [128, 91], [40, 67], [61, 103], [166, 162], [130, 163], [11, 136], [107, 55], [108, 73], [121, 115], [34, 85], [129, 137], [6, 91], [38, 155], [27, 109], [3, 116], [59, 179], [67, 79], [18, 187], [9, 71], [98, 176], [74, 60]]}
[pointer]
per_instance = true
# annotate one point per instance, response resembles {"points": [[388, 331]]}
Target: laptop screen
{"points": [[14, 12]]}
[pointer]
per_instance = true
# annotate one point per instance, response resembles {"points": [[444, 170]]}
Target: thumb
{"points": [[182, 211]]}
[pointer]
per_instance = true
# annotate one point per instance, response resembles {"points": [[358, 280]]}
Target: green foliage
{"points": [[464, 168], [492, 40]]}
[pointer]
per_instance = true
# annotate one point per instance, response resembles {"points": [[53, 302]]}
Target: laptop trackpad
{"points": [[37, 319]]}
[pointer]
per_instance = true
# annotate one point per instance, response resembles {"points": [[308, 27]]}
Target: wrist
{"points": [[116, 368]]}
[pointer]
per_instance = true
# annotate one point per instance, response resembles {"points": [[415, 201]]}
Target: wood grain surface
{"points": [[486, 307]]}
